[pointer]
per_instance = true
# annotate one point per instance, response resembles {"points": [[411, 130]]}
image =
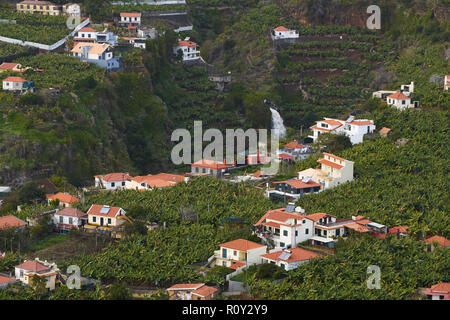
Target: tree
{"points": [[39, 284], [333, 143], [30, 192], [118, 291]]}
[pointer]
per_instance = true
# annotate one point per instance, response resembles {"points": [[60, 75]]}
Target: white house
{"points": [[106, 216], [69, 218], [130, 18], [209, 167], [30, 268], [399, 101], [71, 9], [293, 189], [333, 172], [289, 259], [136, 42], [112, 181], [285, 227], [352, 128], [239, 253], [100, 54], [190, 50], [18, 84], [65, 199], [92, 36], [284, 33]]}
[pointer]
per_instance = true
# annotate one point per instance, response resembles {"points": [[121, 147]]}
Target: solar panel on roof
{"points": [[284, 255], [104, 210], [290, 208]]}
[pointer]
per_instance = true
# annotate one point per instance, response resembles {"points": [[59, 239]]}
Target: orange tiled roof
{"points": [[117, 176], [361, 122], [4, 279], [330, 164], [7, 222], [87, 29], [15, 79], [185, 43], [294, 145], [285, 156], [279, 215], [297, 254], [130, 14], [333, 156], [237, 264], [8, 65], [442, 287], [315, 127], [333, 122], [32, 265], [62, 197], [399, 96], [385, 130], [281, 28], [95, 210], [210, 164], [204, 291], [317, 216], [299, 184], [241, 245], [71, 212], [443, 242], [357, 227]]}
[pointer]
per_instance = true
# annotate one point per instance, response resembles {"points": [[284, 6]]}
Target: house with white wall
{"points": [[71, 9], [289, 259], [285, 227], [30, 268], [17, 84], [209, 167], [240, 252], [69, 218], [106, 216], [130, 19], [90, 35], [399, 101], [282, 32], [333, 172], [189, 49], [353, 128], [100, 54], [112, 181]]}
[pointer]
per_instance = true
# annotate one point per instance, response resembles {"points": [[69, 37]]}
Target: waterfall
{"points": [[278, 123]]}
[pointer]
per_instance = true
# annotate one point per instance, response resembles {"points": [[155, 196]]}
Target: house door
{"points": [[101, 222]]}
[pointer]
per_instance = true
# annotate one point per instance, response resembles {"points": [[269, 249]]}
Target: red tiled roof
{"points": [[279, 215], [204, 291], [8, 65], [71, 212], [210, 164], [399, 96], [333, 122], [15, 79], [271, 224], [185, 43], [285, 156], [357, 227], [32, 265], [294, 145], [330, 164], [317, 216], [361, 122], [170, 177], [299, 184], [130, 14], [117, 176], [4, 279], [281, 28], [297, 254], [95, 210], [62, 197], [333, 156], [241, 245], [442, 287], [237, 264], [315, 127], [443, 242], [11, 222], [186, 286], [399, 229], [87, 29]]}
